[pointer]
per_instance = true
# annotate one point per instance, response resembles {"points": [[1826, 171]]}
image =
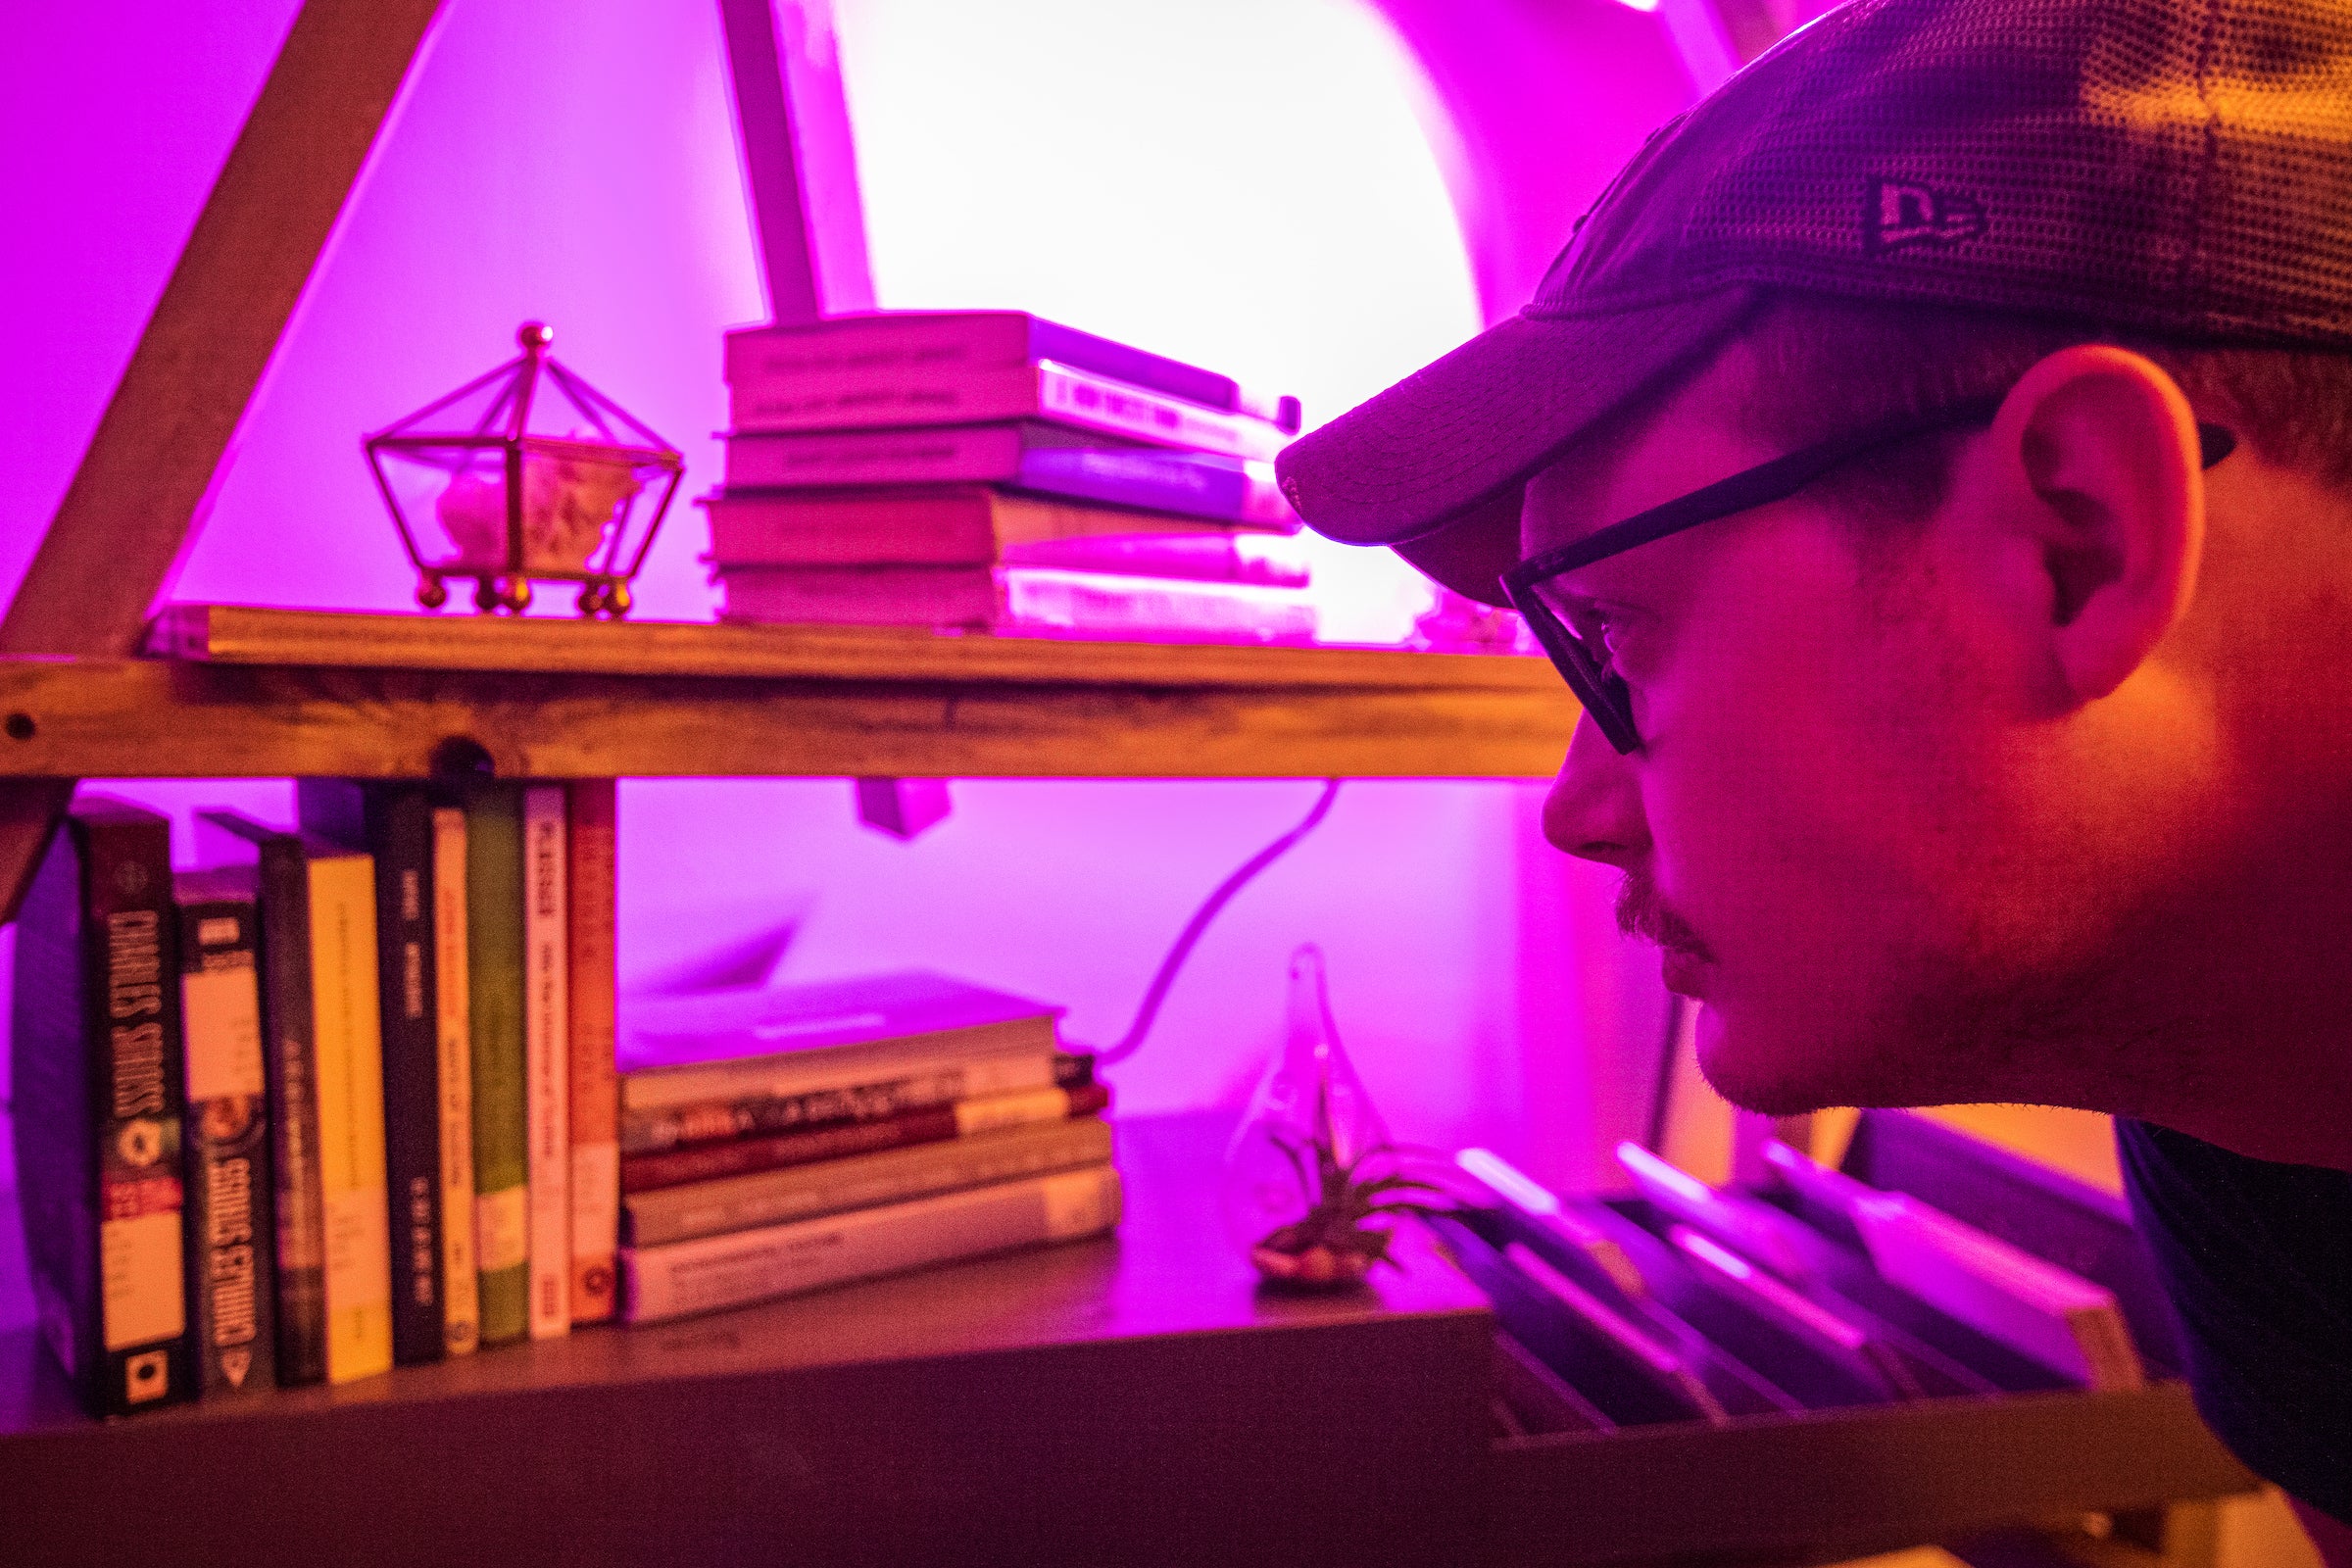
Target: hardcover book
{"points": [[229, 1185], [1060, 393], [547, 1056], [595, 1089], [919, 525], [719, 1122], [95, 1045], [964, 1119], [861, 1181], [1031, 600], [494, 965], [879, 355], [939, 454], [788, 1039], [453, 1030], [393, 824], [735, 1270]]}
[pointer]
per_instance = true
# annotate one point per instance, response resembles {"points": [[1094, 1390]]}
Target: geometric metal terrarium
{"points": [[527, 471]]}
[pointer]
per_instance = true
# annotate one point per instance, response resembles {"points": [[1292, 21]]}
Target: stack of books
{"points": [[780, 1139], [987, 470], [341, 1100]]}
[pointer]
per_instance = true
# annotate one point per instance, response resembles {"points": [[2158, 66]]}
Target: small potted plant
{"points": [[1312, 1189]]}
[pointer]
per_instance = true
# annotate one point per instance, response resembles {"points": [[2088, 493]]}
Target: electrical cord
{"points": [[1169, 966]]}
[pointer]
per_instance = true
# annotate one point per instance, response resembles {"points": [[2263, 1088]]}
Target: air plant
{"points": [[1350, 1213]]}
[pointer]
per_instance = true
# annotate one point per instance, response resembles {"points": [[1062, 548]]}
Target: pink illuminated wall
{"points": [[1254, 184]]}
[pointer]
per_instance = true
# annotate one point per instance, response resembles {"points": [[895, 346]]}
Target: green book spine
{"points": [[501, 1128]]}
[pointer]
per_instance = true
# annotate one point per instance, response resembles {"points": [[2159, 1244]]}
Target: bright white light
{"points": [[1242, 183]]}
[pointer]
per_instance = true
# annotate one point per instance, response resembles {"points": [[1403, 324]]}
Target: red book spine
{"points": [[595, 1093], [676, 1167]]}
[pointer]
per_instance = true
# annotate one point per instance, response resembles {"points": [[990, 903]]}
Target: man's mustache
{"points": [[1643, 914]]}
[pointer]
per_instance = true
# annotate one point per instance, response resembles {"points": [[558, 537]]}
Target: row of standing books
{"points": [[991, 469], [776, 1141], [1688, 1302], [344, 1099]]}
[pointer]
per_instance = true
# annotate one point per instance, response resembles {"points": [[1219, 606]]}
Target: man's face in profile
{"points": [[1805, 830]]}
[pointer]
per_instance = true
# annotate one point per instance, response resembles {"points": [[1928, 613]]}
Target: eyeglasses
{"points": [[1579, 646]]}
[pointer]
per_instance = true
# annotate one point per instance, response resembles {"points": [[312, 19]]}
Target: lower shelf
{"points": [[1133, 1400]]}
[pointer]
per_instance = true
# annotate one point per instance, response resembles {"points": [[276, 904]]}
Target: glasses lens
{"points": [[1576, 639]]}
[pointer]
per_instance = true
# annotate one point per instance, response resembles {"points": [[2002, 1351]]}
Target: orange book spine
{"points": [[595, 1092]]}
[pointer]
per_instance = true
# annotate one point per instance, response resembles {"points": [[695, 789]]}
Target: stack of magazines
{"points": [[775, 1140], [988, 470], [1686, 1303]]}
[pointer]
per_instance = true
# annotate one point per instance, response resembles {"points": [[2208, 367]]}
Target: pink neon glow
{"points": [[1254, 186]]}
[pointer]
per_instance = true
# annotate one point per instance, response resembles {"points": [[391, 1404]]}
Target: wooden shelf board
{"points": [[247, 634], [279, 693], [1098, 1401]]}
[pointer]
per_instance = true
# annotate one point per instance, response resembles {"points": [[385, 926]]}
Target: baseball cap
{"points": [[2173, 168]]}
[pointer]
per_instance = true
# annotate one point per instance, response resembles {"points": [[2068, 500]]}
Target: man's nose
{"points": [[1594, 810]]}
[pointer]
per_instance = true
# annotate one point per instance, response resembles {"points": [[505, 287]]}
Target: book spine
{"points": [[502, 1230], [1098, 403], [940, 455], [290, 1027], [1040, 599], [228, 1145], [142, 1228], [713, 1121], [865, 1181], [453, 1034], [350, 1072], [860, 596], [738, 1061], [1189, 484], [547, 1059], [936, 1125], [723, 1271], [595, 1090], [401, 837], [1191, 557], [98, 1100]]}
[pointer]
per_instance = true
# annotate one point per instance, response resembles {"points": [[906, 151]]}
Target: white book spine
{"points": [[722, 1271], [1098, 403], [453, 1033], [547, 1057], [936, 455]]}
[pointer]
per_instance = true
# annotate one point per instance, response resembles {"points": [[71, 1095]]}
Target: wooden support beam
{"points": [[127, 520]]}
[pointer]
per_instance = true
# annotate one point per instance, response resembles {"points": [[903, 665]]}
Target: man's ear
{"points": [[2109, 491]]}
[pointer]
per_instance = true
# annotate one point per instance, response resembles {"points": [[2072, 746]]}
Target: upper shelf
{"points": [[252, 692]]}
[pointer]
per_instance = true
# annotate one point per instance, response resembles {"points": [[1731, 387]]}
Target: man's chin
{"points": [[1775, 1077]]}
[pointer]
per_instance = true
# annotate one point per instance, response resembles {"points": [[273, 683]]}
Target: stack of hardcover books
{"points": [[341, 1100], [988, 470], [776, 1141]]}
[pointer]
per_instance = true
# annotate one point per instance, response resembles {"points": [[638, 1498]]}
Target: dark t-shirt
{"points": [[2258, 1260]]}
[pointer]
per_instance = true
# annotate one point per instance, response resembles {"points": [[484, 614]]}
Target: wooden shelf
{"points": [[1119, 1400], [240, 692], [1131, 1400]]}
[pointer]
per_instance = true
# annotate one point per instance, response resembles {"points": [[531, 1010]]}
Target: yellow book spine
{"points": [[461, 1287], [351, 1117]]}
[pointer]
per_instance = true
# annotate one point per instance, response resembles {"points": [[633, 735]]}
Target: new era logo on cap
{"points": [[1898, 214]]}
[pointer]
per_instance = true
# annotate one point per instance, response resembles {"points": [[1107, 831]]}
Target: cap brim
{"points": [[1436, 465]]}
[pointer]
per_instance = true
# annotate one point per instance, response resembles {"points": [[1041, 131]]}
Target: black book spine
{"points": [[231, 1212], [98, 1101], [394, 823], [290, 1039]]}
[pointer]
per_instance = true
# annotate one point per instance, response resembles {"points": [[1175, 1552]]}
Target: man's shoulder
{"points": [[2257, 1259]]}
